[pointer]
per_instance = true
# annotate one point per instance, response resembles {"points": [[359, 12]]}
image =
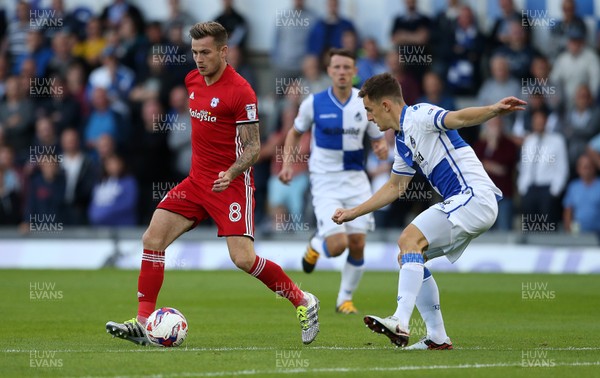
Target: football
{"points": [[166, 327]]}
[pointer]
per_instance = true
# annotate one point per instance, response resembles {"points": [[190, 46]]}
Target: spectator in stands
{"points": [[593, 150], [114, 199], [132, 46], [105, 147], [411, 28], [151, 158], [543, 172], [522, 125], [433, 88], [16, 118], [350, 41], [580, 124], [177, 17], [560, 31], [500, 34], [179, 137], [2, 24], [37, 51], [410, 33], [185, 64], [60, 106], [80, 177], [103, 120], [292, 28], [517, 51], [46, 138], [75, 88], [286, 202], [235, 24], [10, 187], [45, 195], [539, 83], [316, 80], [327, 32], [4, 74], [577, 65], [112, 15], [115, 78], [370, 63], [154, 34], [235, 58], [62, 57], [16, 36], [94, 43], [150, 86], [500, 84], [582, 199], [442, 36], [411, 87], [465, 44], [499, 156], [68, 21], [379, 173]]}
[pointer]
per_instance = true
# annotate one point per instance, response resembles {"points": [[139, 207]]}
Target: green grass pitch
{"points": [[501, 326]]}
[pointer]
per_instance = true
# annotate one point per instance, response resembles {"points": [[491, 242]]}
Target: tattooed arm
{"points": [[250, 139]]}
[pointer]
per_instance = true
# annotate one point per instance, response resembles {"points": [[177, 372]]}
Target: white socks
{"points": [[351, 274], [409, 285], [428, 304]]}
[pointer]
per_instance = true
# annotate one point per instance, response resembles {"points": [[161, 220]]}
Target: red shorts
{"points": [[232, 209]]}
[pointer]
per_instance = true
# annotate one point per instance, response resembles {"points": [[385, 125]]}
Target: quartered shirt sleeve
{"points": [[430, 118], [400, 167], [305, 117], [373, 131]]}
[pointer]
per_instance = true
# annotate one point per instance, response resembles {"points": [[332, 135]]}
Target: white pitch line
{"points": [[261, 349], [357, 370]]}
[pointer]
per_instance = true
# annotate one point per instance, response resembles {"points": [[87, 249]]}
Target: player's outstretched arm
{"points": [[292, 140], [477, 115], [250, 140], [387, 194]]}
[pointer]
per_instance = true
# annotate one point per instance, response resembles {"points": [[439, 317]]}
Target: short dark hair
{"points": [[210, 29], [380, 86], [342, 52]]}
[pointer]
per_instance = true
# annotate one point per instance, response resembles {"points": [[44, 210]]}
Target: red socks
{"points": [[153, 272], [151, 278], [275, 279]]}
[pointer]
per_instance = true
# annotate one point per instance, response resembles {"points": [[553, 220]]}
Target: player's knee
{"points": [[152, 241], [409, 242], [243, 261], [337, 244], [356, 244]]}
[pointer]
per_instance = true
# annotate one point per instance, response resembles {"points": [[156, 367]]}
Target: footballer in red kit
{"points": [[225, 145], [216, 112]]}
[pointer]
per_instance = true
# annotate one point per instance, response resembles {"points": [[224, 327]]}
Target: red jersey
{"points": [[216, 111]]}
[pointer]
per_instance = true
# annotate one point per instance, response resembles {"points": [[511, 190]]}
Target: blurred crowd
{"points": [[95, 129]]}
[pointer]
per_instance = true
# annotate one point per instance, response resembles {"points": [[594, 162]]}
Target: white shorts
{"points": [[340, 190], [450, 226]]}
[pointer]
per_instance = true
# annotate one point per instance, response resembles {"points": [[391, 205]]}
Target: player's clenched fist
{"points": [[285, 176], [343, 215]]}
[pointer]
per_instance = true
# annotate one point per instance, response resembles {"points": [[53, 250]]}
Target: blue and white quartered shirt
{"points": [[337, 131], [426, 145]]}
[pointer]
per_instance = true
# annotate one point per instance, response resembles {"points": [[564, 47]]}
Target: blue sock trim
{"points": [[325, 250], [426, 273], [414, 257], [354, 262]]}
